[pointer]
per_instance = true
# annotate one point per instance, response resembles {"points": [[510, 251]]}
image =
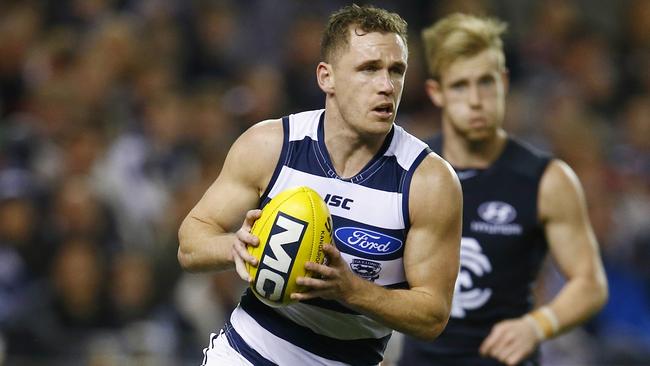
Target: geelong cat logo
{"points": [[278, 257], [473, 263], [368, 241], [498, 213], [366, 269]]}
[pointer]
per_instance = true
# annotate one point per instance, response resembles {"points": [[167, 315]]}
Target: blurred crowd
{"points": [[115, 116]]}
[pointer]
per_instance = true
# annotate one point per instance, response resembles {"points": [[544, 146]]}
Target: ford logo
{"points": [[368, 241], [498, 213]]}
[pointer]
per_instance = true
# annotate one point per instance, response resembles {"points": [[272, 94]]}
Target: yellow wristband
{"points": [[546, 322]]}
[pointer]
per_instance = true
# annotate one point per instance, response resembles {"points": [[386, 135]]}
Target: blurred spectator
{"points": [[142, 166], [21, 261], [302, 54], [258, 94], [214, 36], [19, 29], [78, 212], [66, 312], [146, 328]]}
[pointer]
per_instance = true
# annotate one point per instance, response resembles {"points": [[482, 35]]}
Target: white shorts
{"points": [[220, 353]]}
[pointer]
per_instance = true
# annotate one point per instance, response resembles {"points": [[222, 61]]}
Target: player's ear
{"points": [[505, 78], [434, 91], [325, 77]]}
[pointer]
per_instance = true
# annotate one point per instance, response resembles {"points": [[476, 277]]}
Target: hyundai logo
{"points": [[496, 212]]}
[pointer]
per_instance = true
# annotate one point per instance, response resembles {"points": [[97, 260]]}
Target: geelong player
{"points": [[518, 204], [396, 211]]}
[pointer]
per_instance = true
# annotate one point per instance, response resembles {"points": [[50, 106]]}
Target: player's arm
{"points": [[431, 257], [573, 246], [212, 233], [431, 260]]}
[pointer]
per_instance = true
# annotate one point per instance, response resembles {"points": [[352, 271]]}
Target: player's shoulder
{"points": [[558, 177], [524, 159], [434, 171], [435, 191], [255, 153], [524, 153], [561, 193], [261, 138], [526, 150], [406, 148], [267, 129]]}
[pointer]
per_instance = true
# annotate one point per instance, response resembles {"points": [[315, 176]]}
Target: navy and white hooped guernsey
{"points": [[371, 220]]}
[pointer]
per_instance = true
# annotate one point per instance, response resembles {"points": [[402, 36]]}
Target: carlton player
{"points": [[396, 210], [517, 205]]}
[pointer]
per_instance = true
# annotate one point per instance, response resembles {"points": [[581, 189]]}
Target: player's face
{"points": [[471, 93], [368, 80]]}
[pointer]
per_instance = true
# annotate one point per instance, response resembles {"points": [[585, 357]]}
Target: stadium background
{"points": [[115, 115]]}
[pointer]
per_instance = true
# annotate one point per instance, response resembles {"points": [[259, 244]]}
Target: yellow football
{"points": [[292, 230]]}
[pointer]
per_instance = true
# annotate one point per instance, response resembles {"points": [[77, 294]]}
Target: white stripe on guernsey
{"points": [[369, 207], [220, 352], [333, 324], [271, 347], [304, 124], [392, 271], [405, 147]]}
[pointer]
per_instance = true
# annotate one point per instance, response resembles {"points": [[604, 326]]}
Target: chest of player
{"points": [[368, 224], [371, 243], [500, 214]]}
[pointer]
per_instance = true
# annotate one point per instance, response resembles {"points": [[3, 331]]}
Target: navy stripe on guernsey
{"points": [[406, 184], [278, 168], [343, 222], [237, 343], [376, 223], [347, 351]]}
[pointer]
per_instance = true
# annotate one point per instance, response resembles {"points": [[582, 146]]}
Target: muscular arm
{"points": [[431, 256], [206, 236], [573, 246], [431, 260]]}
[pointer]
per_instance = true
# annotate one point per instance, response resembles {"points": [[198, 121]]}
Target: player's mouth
{"points": [[478, 122], [384, 110]]}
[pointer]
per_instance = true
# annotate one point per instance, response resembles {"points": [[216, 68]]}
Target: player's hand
{"points": [[510, 341], [333, 281], [244, 238]]}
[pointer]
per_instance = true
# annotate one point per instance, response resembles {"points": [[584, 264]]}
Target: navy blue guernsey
{"points": [[370, 224], [502, 249]]}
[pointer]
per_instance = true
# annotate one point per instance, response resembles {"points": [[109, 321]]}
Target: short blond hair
{"points": [[367, 18], [461, 35]]}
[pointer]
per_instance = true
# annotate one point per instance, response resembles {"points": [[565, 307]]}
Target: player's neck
{"points": [[349, 151], [463, 153]]}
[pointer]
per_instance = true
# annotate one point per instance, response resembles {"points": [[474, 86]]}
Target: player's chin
{"points": [[478, 135], [379, 127]]}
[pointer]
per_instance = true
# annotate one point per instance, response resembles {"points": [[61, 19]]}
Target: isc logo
{"points": [[278, 257], [338, 201]]}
